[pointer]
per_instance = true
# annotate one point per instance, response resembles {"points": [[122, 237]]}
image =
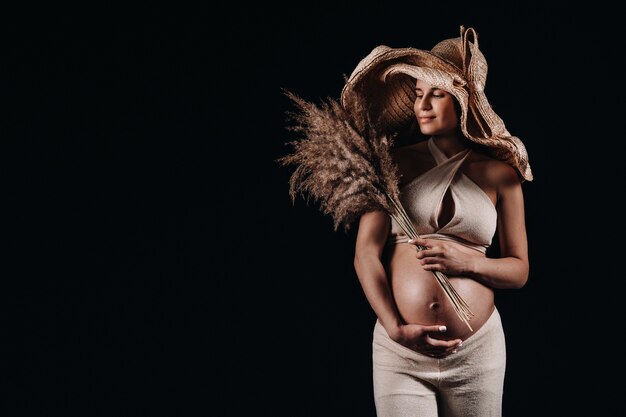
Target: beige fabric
{"points": [[467, 383], [475, 217]]}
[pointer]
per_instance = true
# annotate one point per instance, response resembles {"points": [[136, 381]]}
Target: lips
{"points": [[425, 119]]}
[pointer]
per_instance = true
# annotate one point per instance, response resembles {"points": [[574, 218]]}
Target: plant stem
{"points": [[458, 303]]}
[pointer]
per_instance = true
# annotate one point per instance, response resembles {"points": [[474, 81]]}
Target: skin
{"points": [[399, 285]]}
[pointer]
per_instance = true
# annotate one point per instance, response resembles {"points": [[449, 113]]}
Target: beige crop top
{"points": [[475, 217]]}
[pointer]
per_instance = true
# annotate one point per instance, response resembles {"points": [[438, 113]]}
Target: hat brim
{"points": [[386, 69], [382, 86]]}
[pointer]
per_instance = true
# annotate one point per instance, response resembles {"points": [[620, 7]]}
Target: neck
{"points": [[450, 144]]}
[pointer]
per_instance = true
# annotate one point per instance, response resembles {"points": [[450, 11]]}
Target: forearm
{"points": [[500, 273], [375, 284]]}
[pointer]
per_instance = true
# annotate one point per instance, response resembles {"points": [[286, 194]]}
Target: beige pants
{"points": [[466, 383]]}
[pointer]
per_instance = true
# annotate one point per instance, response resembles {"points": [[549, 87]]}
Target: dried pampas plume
{"points": [[346, 166], [346, 172]]}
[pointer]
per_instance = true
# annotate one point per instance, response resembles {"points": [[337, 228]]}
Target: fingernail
{"points": [[411, 241], [442, 328], [454, 351], [460, 344]]}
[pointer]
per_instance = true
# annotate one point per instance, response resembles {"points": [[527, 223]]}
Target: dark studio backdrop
{"points": [[156, 265]]}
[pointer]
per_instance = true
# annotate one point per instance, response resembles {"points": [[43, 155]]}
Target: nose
{"points": [[423, 103]]}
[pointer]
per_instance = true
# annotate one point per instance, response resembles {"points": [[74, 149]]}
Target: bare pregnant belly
{"points": [[421, 300]]}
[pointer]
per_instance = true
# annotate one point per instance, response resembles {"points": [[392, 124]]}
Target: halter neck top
{"points": [[475, 217]]}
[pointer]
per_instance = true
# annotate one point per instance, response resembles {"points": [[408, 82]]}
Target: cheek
{"points": [[450, 116]]}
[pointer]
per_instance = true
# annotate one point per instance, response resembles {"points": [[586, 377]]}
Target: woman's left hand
{"points": [[441, 256]]}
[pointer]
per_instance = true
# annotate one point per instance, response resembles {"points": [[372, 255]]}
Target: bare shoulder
{"points": [[493, 172]]}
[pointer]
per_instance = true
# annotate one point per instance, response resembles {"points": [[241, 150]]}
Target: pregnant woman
{"points": [[460, 185]]}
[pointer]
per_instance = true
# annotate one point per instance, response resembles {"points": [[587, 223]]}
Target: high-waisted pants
{"points": [[467, 383]]}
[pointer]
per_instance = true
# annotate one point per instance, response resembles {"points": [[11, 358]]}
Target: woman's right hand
{"points": [[424, 340]]}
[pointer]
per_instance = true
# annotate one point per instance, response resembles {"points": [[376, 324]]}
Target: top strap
{"points": [[441, 158]]}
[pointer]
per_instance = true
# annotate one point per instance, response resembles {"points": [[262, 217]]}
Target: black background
{"points": [[155, 264]]}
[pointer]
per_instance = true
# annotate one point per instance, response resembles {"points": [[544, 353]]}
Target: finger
{"points": [[424, 253], [437, 328], [442, 343], [442, 349], [452, 350], [421, 242], [430, 260], [433, 267], [430, 350], [434, 350]]}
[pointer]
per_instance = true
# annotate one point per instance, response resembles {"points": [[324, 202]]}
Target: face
{"points": [[434, 109]]}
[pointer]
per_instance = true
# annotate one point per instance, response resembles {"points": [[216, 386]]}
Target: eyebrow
{"points": [[431, 89]]}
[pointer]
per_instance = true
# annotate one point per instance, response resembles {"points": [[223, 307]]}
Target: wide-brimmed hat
{"points": [[383, 84]]}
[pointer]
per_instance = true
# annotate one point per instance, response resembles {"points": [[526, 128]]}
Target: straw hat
{"points": [[383, 83]]}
